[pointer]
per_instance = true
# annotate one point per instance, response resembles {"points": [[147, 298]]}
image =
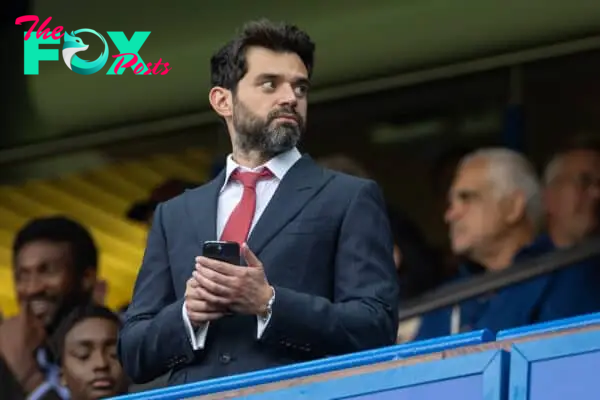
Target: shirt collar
{"points": [[540, 245], [278, 165], [52, 375]]}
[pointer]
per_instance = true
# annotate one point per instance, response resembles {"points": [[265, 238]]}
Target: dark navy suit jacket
{"points": [[326, 246], [561, 294]]}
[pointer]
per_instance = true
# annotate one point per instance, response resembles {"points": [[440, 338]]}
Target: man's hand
{"points": [[20, 337], [198, 310], [244, 290]]}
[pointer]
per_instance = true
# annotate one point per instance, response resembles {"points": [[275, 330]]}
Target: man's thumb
{"points": [[251, 259]]}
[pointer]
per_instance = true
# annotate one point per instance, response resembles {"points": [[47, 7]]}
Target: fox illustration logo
{"points": [[128, 49], [73, 44]]}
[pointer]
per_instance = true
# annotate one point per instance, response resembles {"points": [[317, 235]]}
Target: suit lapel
{"points": [[299, 185], [202, 206]]}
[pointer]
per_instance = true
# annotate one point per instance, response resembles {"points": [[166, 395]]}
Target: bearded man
{"points": [[319, 276]]}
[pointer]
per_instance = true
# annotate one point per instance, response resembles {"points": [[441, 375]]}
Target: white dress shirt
{"points": [[229, 197]]}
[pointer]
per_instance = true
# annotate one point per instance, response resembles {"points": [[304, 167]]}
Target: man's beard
{"points": [[263, 135]]}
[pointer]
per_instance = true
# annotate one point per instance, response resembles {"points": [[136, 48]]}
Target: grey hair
{"points": [[509, 171], [553, 168], [556, 164]]}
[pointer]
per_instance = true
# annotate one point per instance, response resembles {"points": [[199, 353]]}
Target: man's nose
{"points": [[100, 360], [33, 286], [451, 213], [288, 95]]}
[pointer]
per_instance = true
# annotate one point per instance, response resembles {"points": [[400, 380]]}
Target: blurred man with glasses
{"points": [[572, 195]]}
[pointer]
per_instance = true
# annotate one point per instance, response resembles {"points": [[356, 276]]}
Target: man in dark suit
{"points": [[320, 276]]}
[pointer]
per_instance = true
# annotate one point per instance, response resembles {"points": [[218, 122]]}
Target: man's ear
{"points": [[221, 100], [515, 207], [88, 279], [99, 291]]}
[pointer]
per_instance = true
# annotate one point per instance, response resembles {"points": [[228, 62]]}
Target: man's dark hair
{"points": [[58, 229], [229, 65], [80, 314]]}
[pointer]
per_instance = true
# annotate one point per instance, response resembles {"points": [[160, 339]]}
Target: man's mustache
{"points": [[285, 113], [45, 298]]}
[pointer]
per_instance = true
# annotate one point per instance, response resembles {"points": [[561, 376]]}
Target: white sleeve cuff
{"points": [[262, 325], [198, 338]]}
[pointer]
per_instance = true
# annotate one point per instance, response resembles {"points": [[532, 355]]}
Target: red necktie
{"points": [[240, 220]]}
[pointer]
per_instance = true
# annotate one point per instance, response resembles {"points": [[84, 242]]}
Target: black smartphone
{"points": [[228, 252]]}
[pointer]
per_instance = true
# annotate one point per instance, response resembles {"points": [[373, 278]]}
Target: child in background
{"points": [[87, 350]]}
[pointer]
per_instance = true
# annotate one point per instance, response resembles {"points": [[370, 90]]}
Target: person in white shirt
{"points": [[319, 276]]}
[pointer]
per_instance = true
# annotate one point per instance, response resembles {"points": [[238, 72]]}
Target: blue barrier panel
{"points": [[330, 364], [557, 368], [471, 377], [552, 326]]}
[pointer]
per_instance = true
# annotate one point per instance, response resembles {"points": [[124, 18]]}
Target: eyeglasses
{"points": [[584, 181]]}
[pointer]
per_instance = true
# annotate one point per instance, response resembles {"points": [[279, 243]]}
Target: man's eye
{"points": [[268, 85], [466, 196], [301, 90]]}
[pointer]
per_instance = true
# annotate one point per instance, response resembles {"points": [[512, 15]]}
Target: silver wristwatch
{"points": [[270, 304]]}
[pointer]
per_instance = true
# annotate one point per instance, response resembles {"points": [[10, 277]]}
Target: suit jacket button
{"points": [[225, 358]]}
